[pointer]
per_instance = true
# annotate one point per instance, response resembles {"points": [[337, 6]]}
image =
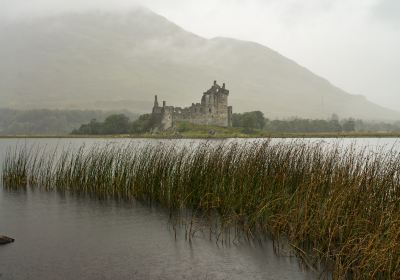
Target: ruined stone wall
{"points": [[167, 120], [202, 115], [213, 110]]}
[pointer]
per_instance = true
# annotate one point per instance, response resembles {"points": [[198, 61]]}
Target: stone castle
{"points": [[213, 110]]}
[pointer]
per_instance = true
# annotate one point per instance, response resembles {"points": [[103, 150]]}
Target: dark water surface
{"points": [[65, 237], [61, 236]]}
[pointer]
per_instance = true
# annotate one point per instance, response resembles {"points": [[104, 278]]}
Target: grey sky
{"points": [[353, 43]]}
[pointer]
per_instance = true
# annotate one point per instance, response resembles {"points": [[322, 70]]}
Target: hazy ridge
{"points": [[49, 122], [116, 61]]}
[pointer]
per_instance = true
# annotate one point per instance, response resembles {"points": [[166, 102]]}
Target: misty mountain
{"points": [[114, 61]]}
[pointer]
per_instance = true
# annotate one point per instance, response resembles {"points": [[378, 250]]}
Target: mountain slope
{"points": [[120, 60]]}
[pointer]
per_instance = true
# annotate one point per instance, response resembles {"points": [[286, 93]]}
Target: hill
{"points": [[114, 61]]}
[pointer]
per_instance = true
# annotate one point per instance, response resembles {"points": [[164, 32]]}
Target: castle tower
{"points": [[213, 110], [156, 108], [155, 101]]}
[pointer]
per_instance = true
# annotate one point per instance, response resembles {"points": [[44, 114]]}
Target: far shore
{"points": [[224, 136]]}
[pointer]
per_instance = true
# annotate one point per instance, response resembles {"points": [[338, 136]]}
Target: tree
{"points": [[143, 124], [349, 125], [116, 124], [249, 120], [92, 128]]}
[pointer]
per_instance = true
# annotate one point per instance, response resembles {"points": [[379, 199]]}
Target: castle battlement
{"points": [[212, 110]]}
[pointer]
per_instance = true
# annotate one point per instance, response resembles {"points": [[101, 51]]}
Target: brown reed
{"points": [[338, 206]]}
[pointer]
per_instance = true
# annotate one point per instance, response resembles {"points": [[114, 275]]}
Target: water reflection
{"points": [[60, 236]]}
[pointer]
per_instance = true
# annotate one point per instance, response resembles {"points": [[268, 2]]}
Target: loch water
{"points": [[64, 236]]}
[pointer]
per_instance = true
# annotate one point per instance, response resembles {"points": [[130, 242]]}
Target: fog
{"points": [[352, 43]]}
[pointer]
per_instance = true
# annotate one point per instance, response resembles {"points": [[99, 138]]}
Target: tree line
{"points": [[61, 122], [249, 122], [256, 120], [117, 124], [48, 122]]}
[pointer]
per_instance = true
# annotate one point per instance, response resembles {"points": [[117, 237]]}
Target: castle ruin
{"points": [[213, 110]]}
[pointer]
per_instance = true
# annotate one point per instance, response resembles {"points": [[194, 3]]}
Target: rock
{"points": [[5, 240], [212, 132]]}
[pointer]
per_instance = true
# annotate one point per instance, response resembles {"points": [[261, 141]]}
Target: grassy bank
{"points": [[339, 207], [205, 134]]}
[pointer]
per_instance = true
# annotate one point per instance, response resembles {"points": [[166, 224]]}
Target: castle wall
{"points": [[167, 119], [213, 110]]}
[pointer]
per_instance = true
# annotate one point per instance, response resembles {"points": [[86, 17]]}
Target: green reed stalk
{"points": [[339, 207]]}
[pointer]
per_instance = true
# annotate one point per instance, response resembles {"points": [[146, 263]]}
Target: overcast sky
{"points": [[355, 44]]}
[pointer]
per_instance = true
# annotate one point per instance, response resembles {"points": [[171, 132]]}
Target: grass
{"points": [[217, 135], [193, 131], [339, 207]]}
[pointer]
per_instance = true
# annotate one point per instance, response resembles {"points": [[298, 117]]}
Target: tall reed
{"points": [[337, 206]]}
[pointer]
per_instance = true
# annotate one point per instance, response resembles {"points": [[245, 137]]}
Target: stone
{"points": [[5, 240], [213, 110]]}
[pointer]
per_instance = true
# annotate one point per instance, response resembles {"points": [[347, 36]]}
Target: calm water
{"points": [[68, 237]]}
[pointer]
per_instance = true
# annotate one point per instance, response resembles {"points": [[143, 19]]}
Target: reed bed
{"points": [[337, 206]]}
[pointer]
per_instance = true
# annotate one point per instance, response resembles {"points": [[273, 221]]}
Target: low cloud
{"points": [[387, 11], [352, 43]]}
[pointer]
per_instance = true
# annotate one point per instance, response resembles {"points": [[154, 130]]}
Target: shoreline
{"points": [[200, 136]]}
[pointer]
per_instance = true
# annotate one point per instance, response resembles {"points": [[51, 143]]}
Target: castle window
{"points": [[209, 110]]}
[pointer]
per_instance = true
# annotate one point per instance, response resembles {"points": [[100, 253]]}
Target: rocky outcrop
{"points": [[5, 240]]}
